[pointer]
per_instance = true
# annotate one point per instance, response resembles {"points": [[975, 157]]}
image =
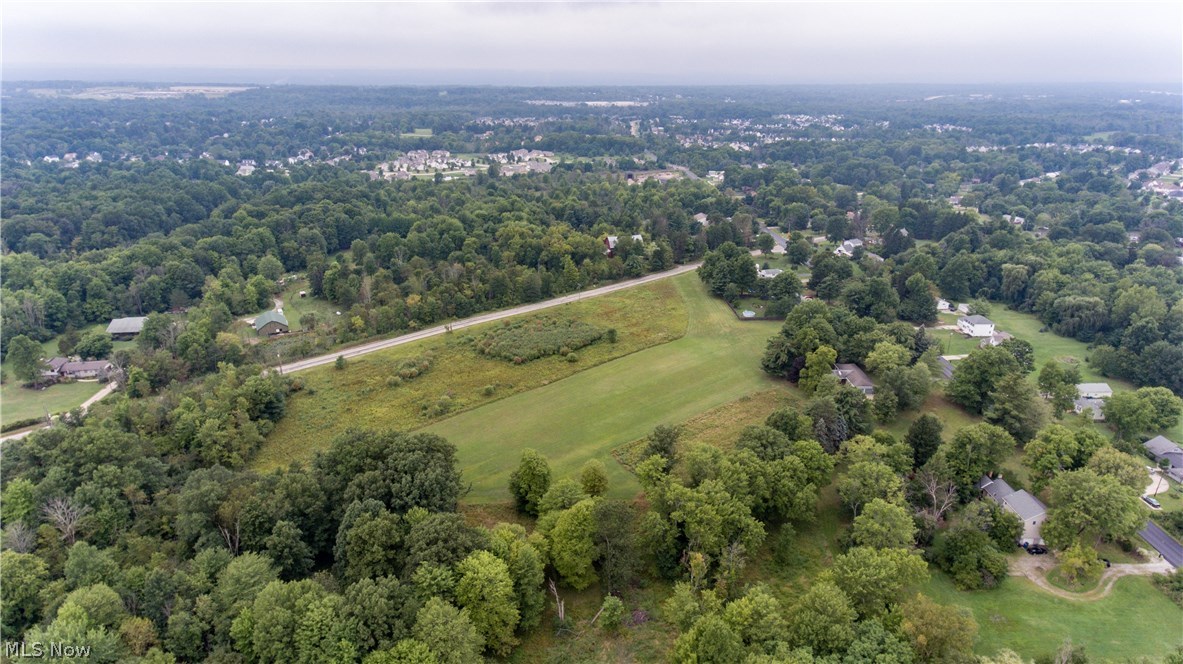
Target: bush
{"points": [[526, 340], [1171, 584], [340, 363], [488, 390], [572, 357]]}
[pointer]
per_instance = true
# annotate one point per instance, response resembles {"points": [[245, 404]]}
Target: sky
{"points": [[570, 43]]}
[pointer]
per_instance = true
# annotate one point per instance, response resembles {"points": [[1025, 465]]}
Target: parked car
{"points": [[1107, 563], [1152, 502], [1036, 550]]}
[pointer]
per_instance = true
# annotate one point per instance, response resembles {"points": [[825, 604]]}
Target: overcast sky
{"points": [[628, 43]]}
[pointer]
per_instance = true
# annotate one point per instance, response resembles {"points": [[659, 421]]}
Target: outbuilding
{"points": [[271, 323], [124, 329]]}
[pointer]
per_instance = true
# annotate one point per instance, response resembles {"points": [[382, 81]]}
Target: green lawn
{"points": [[1134, 620], [954, 342], [588, 414], [362, 395], [18, 403], [417, 133]]}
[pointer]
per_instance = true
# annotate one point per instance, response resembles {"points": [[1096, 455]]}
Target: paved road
{"points": [[373, 346], [1169, 547], [107, 389], [781, 240]]}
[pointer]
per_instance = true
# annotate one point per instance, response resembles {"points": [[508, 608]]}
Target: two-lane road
{"points": [[1169, 547]]}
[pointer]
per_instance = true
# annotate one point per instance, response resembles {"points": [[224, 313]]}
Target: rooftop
{"points": [[1161, 445], [270, 317], [132, 325], [1024, 504], [852, 374], [978, 320]]}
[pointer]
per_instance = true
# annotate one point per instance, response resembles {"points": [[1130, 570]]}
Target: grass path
{"points": [[588, 414]]}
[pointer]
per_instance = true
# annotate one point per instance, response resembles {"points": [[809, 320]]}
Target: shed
{"points": [[123, 329], [271, 323]]}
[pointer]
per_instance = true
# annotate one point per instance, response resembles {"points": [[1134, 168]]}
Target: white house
{"points": [[995, 339], [769, 273], [1026, 506], [976, 326], [848, 247], [943, 305], [1094, 390], [701, 218]]}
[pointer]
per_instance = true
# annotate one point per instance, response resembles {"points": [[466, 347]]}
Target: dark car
{"points": [[1036, 550], [1106, 561]]}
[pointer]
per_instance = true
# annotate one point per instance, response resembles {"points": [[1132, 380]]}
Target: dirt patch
{"points": [[1035, 569]]}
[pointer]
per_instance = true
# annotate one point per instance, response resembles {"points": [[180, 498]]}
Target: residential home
{"points": [[944, 305], [1094, 390], [1024, 505], [848, 247], [123, 329], [768, 274], [1163, 448], [963, 309], [874, 257], [976, 326], [54, 367], [995, 339], [701, 218], [1091, 404], [86, 370], [271, 323], [851, 374]]}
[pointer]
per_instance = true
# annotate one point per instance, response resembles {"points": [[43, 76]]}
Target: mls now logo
{"points": [[35, 649]]}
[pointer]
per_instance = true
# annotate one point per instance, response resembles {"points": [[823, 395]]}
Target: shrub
{"points": [[572, 357], [340, 363], [488, 390], [530, 339]]}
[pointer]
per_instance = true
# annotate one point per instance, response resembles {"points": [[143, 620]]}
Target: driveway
{"points": [[1169, 547], [107, 389], [1035, 569]]}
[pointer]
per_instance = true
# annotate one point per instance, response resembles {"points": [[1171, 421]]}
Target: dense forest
{"points": [[138, 527]]}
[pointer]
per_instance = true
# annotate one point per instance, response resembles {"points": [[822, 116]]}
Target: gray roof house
{"points": [[1161, 447], [1027, 507], [1089, 403], [126, 327], [1095, 390], [851, 374]]}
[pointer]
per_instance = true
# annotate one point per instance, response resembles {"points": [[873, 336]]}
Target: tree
{"points": [[593, 478], [817, 372], [1079, 562], [938, 633], [791, 423], [765, 243], [710, 640], [286, 547], [441, 539], [1023, 352], [379, 612], [785, 286], [970, 557], [1057, 449], [94, 346], [924, 437], [485, 589], [663, 441], [1125, 468], [24, 357], [887, 355], [1016, 407], [525, 563], [976, 450], [884, 525], [1129, 415], [978, 375], [65, 515], [1085, 504], [572, 545], [611, 613], [866, 481], [529, 482], [917, 303], [448, 633], [874, 578], [823, 619], [617, 549], [24, 577]]}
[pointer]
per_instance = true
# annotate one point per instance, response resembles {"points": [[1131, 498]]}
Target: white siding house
{"points": [[976, 326]]}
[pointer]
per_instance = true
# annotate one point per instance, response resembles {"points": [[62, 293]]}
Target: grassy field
{"points": [[417, 133], [361, 396], [18, 403], [588, 414], [1135, 620]]}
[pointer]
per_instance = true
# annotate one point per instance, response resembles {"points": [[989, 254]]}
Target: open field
{"points": [[587, 415], [1135, 620], [954, 342], [360, 395], [417, 133], [18, 403]]}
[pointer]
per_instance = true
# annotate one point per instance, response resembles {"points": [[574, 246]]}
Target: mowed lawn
{"points": [[18, 403], [586, 415], [460, 378], [1134, 620]]}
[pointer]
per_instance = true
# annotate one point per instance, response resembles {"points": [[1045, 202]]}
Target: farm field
{"points": [[1135, 620], [362, 394], [587, 415]]}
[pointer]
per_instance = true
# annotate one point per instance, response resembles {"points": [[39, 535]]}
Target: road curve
{"points": [[107, 389], [366, 348]]}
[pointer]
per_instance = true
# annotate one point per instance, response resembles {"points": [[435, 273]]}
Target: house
{"points": [[995, 339], [123, 329], [848, 247], [851, 374], [1024, 505], [768, 274], [1082, 404], [54, 365], [1094, 390], [874, 257], [1161, 447], [701, 218], [778, 249], [1134, 238], [944, 305], [271, 323], [976, 326], [818, 239], [85, 370], [963, 309]]}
